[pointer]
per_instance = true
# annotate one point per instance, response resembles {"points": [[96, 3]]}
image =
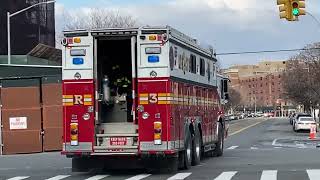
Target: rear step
{"points": [[116, 147], [117, 135], [118, 138]]}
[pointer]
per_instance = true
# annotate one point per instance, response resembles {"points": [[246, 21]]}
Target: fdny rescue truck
{"points": [[140, 93]]}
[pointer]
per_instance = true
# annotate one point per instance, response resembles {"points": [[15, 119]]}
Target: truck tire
{"points": [[187, 153], [218, 151], [80, 164], [196, 148]]}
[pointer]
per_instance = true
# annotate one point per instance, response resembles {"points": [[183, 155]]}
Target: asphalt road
{"points": [[258, 149]]}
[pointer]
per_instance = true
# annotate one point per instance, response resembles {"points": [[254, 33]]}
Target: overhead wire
{"points": [[265, 51]]}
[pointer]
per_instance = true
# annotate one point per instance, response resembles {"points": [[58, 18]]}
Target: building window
{"points": [[249, 86], [272, 83], [260, 85], [202, 67], [279, 76], [260, 78], [193, 64]]}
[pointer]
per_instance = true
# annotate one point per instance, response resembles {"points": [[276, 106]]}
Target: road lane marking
{"points": [[226, 175], [138, 177], [313, 174], [19, 178], [233, 147], [247, 127], [274, 142], [179, 176], [269, 175], [6, 169], [58, 177], [97, 177]]}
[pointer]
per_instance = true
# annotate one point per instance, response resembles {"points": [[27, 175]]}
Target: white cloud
{"points": [[59, 9]]}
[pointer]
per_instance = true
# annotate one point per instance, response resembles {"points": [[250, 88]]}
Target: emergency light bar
{"points": [[153, 59], [77, 61], [153, 50], [77, 52]]}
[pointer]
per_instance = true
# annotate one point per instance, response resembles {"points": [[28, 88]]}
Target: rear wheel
{"points": [[187, 154], [80, 164], [196, 148], [218, 151]]}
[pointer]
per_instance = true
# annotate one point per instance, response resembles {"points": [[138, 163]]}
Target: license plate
{"points": [[118, 141]]}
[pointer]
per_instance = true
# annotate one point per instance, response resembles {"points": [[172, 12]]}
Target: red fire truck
{"points": [[140, 93]]}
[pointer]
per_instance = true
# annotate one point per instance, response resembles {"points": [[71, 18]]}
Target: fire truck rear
{"points": [[140, 93]]}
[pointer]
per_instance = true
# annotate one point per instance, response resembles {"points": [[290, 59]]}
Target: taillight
{"points": [[157, 132], [74, 134]]}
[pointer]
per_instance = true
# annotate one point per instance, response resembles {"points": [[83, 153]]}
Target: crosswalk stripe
{"points": [[269, 175], [58, 177], [226, 175], [233, 147], [179, 176], [313, 174], [138, 177], [19, 178], [97, 177]]}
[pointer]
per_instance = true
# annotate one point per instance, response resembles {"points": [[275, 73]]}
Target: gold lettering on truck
{"points": [[78, 99]]}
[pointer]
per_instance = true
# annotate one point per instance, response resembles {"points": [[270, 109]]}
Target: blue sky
{"points": [[228, 25]]}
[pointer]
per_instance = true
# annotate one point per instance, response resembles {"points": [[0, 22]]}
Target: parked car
{"points": [[259, 114], [304, 123], [298, 115], [233, 117], [251, 115], [227, 118], [268, 114], [241, 116]]}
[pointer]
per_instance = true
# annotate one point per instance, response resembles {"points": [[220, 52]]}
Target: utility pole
{"points": [[8, 24], [255, 105]]}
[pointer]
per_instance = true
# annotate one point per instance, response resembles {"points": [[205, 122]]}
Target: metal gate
{"points": [[52, 113], [31, 115], [21, 116]]}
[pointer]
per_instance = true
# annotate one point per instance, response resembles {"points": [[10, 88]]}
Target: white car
{"points": [[304, 123]]}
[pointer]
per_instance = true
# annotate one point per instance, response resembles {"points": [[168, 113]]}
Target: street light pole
{"points": [[9, 40], [8, 24]]}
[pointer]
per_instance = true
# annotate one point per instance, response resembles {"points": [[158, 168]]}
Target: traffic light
{"points": [[285, 9], [291, 9], [298, 7]]}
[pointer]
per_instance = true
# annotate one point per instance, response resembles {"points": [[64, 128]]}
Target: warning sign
{"points": [[18, 122]]}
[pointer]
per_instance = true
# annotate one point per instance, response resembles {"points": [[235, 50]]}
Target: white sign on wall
{"points": [[18, 122]]}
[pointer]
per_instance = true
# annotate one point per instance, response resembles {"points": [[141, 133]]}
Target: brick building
{"points": [[259, 85]]}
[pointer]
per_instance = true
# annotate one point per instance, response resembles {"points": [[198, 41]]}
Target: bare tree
{"points": [[234, 99], [99, 18], [302, 78], [95, 18]]}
